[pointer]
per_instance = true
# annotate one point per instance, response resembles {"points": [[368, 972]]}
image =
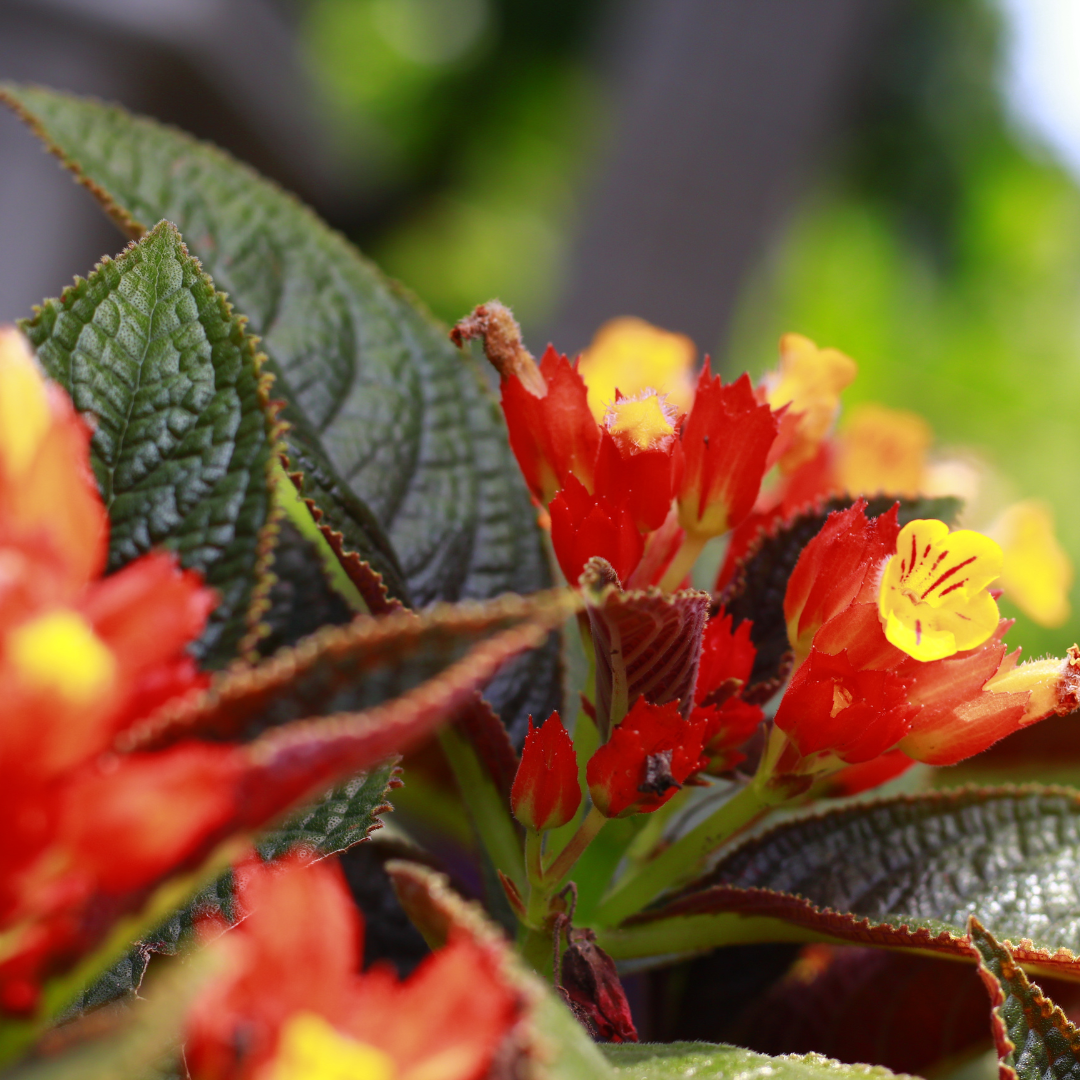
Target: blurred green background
{"points": [[938, 243]]}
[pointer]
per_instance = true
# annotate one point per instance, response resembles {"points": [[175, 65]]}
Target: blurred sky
{"points": [[1042, 72]]}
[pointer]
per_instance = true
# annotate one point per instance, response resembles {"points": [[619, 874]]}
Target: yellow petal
{"points": [[1036, 573], [59, 651], [631, 355], [310, 1049], [883, 451], [24, 404], [810, 380], [933, 598]]}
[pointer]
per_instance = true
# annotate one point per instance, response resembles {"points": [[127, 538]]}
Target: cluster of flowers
{"points": [[90, 833], [895, 634]]}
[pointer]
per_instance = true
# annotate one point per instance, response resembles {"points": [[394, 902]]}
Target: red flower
{"points": [[727, 658], [837, 566], [850, 713], [727, 727], [855, 779], [646, 760], [721, 456], [546, 791], [643, 477], [291, 997], [554, 436], [584, 525]]}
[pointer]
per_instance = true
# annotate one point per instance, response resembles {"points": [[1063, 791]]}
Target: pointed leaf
{"points": [[898, 873], [326, 672], [1034, 1039], [715, 1061], [182, 428], [757, 590], [648, 643], [391, 424]]}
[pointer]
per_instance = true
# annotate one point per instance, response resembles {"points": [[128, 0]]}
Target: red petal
{"points": [[546, 792]]}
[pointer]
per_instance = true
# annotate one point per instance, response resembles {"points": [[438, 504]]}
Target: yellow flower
{"points": [[883, 451], [810, 380], [631, 355], [933, 597], [310, 1049], [1036, 573]]}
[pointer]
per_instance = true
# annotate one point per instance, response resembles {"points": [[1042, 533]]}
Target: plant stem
{"points": [[682, 859], [534, 868], [564, 861], [489, 811], [683, 562]]}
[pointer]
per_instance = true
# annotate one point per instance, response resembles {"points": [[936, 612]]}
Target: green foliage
{"points": [[386, 415], [713, 1061], [182, 435], [1034, 1038]]}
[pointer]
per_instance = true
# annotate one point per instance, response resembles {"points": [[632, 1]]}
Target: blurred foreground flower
{"points": [[81, 658], [292, 1003]]}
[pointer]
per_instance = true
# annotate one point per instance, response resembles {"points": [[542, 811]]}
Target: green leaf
{"points": [[1034, 1038], [182, 431], [391, 424], [757, 590], [345, 669], [715, 1061], [341, 818], [904, 872]]}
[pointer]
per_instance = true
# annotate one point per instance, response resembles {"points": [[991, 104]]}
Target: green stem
{"points": [[534, 867], [489, 811], [683, 562], [682, 859], [564, 861]]}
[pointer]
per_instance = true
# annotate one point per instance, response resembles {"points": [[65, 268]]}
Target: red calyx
{"points": [[833, 706], [836, 567], [646, 760], [584, 525], [590, 984], [644, 476], [546, 791], [555, 436], [722, 455]]}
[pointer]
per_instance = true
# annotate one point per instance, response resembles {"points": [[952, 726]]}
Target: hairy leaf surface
{"points": [[715, 1061], [900, 873], [1034, 1038], [182, 432], [393, 428]]}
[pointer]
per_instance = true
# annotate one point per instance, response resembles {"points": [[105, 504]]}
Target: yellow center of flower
{"points": [[933, 598], [310, 1049], [631, 355], [60, 652], [24, 403], [646, 421]]}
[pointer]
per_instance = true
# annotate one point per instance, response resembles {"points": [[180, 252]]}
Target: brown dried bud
{"points": [[495, 323]]}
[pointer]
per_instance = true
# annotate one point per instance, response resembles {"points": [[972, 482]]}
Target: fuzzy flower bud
{"points": [[546, 793]]}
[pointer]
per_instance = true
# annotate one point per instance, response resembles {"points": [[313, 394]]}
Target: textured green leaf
{"points": [[904, 872], [343, 817], [182, 433], [714, 1061], [344, 669], [1035, 1040], [757, 590], [382, 405]]}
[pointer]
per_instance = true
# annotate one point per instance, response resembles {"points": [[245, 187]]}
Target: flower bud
{"points": [[546, 793]]}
